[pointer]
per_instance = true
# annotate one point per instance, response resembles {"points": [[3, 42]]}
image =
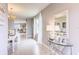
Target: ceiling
{"points": [[26, 10]]}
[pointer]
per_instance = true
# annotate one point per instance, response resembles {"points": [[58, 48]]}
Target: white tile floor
{"points": [[27, 47], [44, 50], [30, 48]]}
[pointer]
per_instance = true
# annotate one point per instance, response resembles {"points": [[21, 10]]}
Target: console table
{"points": [[55, 46]]}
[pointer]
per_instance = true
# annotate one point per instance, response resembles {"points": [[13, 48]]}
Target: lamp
{"points": [[11, 16], [57, 28], [49, 28]]}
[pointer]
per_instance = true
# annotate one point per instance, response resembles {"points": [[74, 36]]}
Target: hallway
{"points": [[34, 22], [39, 29]]}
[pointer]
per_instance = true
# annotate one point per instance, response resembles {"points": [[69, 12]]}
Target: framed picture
{"points": [[22, 28], [64, 25], [12, 32]]}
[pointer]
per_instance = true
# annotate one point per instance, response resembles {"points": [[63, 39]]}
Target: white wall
{"points": [[47, 15], [4, 31]]}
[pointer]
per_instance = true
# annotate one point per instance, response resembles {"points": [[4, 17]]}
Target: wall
{"points": [[3, 30], [29, 28], [52, 9], [20, 20]]}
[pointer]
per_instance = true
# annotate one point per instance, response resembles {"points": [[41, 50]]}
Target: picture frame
{"points": [[64, 25], [12, 32]]}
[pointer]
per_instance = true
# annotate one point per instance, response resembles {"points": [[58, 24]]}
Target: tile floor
{"points": [[23, 50]]}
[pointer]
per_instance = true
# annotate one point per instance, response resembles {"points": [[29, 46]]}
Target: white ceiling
{"points": [[27, 10]]}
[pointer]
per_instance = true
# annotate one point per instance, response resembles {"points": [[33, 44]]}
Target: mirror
{"points": [[61, 27]]}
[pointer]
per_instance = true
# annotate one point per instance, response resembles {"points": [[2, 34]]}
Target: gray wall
{"points": [[29, 28], [47, 14]]}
